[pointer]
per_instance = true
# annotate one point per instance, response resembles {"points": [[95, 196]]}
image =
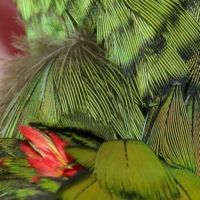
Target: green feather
{"points": [[188, 183], [87, 188], [170, 134], [130, 167], [193, 109], [83, 155], [72, 77]]}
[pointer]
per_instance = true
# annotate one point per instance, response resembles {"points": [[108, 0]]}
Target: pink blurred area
{"points": [[9, 27]]}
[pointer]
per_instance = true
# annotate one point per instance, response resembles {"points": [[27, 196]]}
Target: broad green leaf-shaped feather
{"points": [[170, 132], [136, 166], [87, 188], [73, 76], [130, 168]]}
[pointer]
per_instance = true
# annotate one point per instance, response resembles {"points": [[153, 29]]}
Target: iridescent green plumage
{"points": [[103, 68]]}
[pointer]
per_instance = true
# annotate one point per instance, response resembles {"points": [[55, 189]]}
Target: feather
{"points": [[170, 135], [130, 168]]}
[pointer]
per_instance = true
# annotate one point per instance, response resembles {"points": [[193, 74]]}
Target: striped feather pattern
{"points": [[170, 135], [72, 77], [193, 110]]}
